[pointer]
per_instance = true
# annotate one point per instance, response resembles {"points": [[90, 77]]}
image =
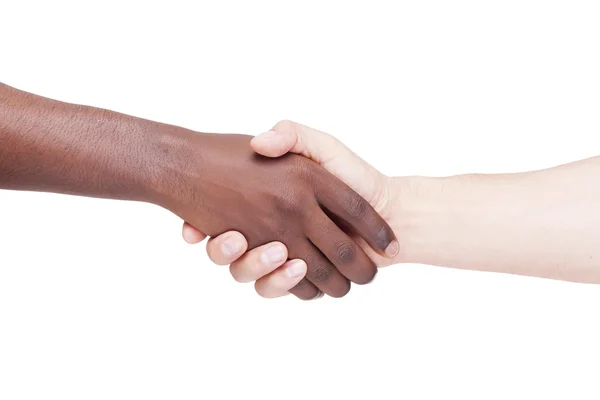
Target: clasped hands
{"points": [[294, 209], [344, 234]]}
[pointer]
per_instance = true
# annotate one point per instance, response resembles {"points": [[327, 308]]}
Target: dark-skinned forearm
{"points": [[52, 146]]}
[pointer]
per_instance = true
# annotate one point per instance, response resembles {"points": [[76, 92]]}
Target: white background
{"points": [[102, 299]]}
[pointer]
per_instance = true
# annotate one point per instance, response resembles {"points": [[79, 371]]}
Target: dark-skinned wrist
{"points": [[173, 178]]}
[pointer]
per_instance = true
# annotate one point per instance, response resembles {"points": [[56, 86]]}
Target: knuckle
{"points": [[345, 252], [322, 274], [284, 204], [285, 126], [298, 205], [292, 194]]}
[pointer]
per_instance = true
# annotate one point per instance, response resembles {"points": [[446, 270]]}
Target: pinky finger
{"points": [[280, 281]]}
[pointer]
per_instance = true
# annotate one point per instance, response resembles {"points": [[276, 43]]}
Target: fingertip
{"points": [[295, 269], [226, 248], [273, 254], [272, 144], [259, 262], [191, 235], [279, 282]]}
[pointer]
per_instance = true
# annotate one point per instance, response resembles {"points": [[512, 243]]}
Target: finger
{"points": [[259, 262], [191, 235], [305, 290], [338, 160], [321, 272], [280, 281], [226, 248], [341, 250], [288, 136], [321, 147], [273, 144], [346, 204]]}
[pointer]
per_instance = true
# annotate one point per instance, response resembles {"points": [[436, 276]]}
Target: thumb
{"points": [[324, 149], [288, 136]]}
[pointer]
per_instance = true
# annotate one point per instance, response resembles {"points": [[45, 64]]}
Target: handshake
{"points": [[294, 209], [316, 202]]}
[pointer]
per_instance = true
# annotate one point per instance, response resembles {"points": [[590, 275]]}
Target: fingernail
{"points": [[268, 134], [231, 247], [392, 249], [295, 269], [272, 255]]}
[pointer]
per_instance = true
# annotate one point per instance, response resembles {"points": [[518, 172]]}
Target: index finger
{"points": [[344, 203]]}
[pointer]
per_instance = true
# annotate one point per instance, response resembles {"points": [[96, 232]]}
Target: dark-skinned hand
{"points": [[219, 184], [215, 182]]}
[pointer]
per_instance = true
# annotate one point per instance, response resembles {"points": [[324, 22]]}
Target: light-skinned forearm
{"points": [[543, 223]]}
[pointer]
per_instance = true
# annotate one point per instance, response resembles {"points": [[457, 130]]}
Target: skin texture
{"points": [[215, 182], [541, 223], [274, 279], [283, 199]]}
